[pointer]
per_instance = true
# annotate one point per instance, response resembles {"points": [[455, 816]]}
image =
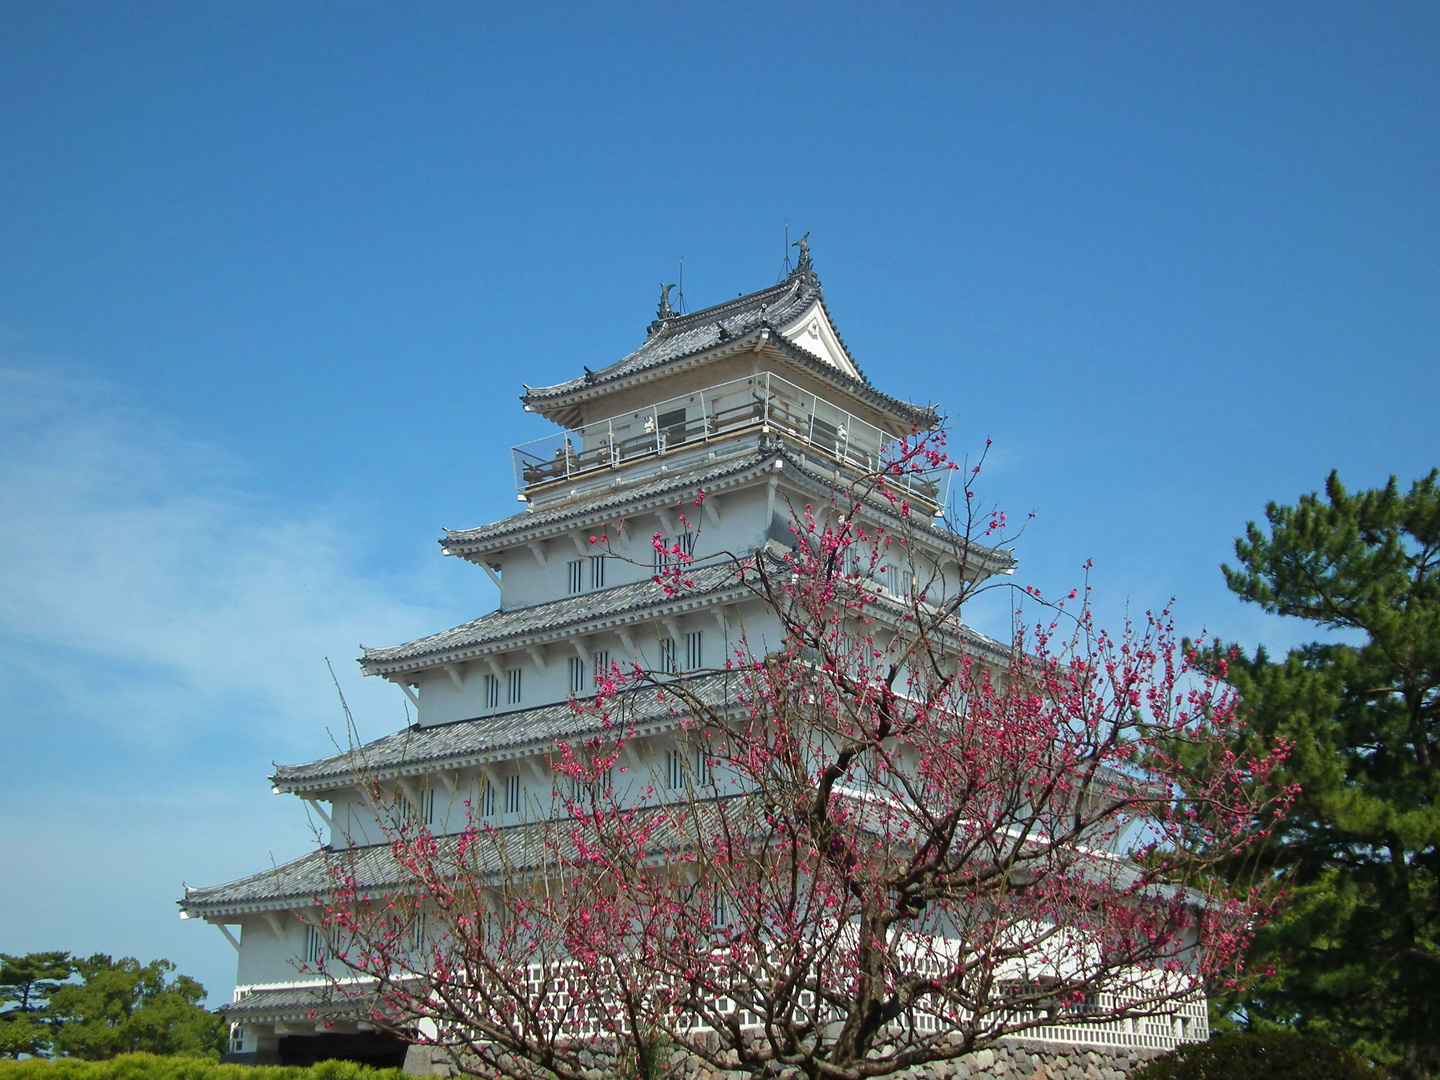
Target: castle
{"points": [[758, 403]]}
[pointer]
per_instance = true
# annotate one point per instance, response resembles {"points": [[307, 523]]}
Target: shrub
{"points": [[1272, 1055], [155, 1067]]}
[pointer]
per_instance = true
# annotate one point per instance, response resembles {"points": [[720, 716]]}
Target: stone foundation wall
{"points": [[1042, 1061], [1008, 1061]]}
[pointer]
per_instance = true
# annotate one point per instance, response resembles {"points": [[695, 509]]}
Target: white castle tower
{"points": [[757, 402]]}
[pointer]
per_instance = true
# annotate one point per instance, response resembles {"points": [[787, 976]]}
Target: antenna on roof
{"points": [[786, 269], [680, 296]]}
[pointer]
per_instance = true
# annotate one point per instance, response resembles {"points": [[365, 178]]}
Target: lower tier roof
{"points": [[306, 881], [417, 750], [290, 1003]]}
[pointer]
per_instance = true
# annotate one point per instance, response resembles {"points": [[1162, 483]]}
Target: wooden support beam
{"points": [[581, 547], [538, 656], [452, 783], [411, 791], [632, 755], [275, 924], [314, 802], [673, 628], [719, 612], [629, 643], [405, 686], [495, 668], [490, 570], [581, 650], [630, 760], [537, 548], [668, 525], [457, 675], [712, 511], [228, 935], [539, 775]]}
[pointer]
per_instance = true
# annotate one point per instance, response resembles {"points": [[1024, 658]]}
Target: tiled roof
{"points": [[303, 881], [293, 884], [415, 750], [684, 335], [307, 880], [632, 500], [994, 558], [551, 619], [637, 500], [293, 1003], [681, 336]]}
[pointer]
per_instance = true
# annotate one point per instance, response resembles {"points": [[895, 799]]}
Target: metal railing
{"points": [[761, 402]]}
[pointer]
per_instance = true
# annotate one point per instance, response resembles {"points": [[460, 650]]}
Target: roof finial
{"points": [[665, 311], [803, 263]]}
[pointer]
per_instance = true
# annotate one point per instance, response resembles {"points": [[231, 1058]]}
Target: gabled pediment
{"points": [[813, 332]]}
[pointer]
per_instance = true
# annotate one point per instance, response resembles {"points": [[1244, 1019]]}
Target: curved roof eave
{"points": [[545, 400]]}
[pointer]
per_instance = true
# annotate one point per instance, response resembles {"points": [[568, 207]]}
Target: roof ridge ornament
{"points": [[804, 268], [663, 313]]}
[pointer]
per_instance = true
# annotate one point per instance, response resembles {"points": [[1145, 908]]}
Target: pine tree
{"points": [[123, 1007], [1356, 952], [26, 984]]}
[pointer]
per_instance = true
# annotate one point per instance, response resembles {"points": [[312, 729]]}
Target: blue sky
{"points": [[273, 274]]}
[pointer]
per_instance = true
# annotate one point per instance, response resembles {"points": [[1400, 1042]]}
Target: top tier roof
{"points": [[780, 309]]}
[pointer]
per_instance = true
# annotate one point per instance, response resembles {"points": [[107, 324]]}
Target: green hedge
{"points": [[154, 1067], [1271, 1055]]}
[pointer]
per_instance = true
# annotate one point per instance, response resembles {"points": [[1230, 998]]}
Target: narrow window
{"points": [[577, 675], [597, 571], [719, 910], [487, 799], [492, 692], [512, 793], [417, 932], [686, 541], [694, 656], [513, 676], [314, 945], [600, 668], [674, 770], [896, 580], [403, 810], [667, 655], [575, 571], [427, 806], [702, 766]]}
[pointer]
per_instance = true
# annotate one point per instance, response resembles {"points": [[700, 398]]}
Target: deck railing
{"points": [[761, 402]]}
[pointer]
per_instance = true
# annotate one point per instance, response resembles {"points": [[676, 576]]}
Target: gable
{"points": [[813, 332]]}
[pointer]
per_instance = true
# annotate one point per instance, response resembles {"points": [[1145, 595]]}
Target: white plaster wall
{"points": [[740, 528], [265, 958]]}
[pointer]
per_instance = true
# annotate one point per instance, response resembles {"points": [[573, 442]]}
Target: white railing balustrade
{"points": [[759, 402]]}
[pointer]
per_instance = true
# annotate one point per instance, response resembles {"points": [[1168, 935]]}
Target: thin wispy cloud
{"points": [[163, 635], [143, 587]]}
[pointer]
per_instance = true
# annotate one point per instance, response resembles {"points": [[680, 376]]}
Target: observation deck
{"points": [[724, 413]]}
